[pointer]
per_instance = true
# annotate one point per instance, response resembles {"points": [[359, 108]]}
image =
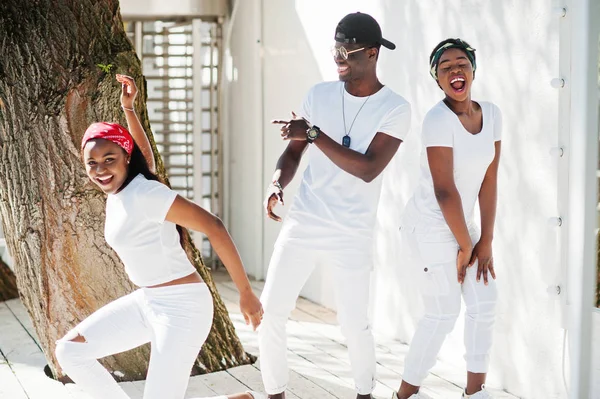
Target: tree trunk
{"points": [[51, 89], [8, 283]]}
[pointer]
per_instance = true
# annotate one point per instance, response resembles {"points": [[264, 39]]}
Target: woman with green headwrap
{"points": [[459, 165]]}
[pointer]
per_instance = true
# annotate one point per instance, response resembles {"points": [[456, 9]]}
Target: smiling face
{"points": [[357, 64], [455, 74], [106, 164]]}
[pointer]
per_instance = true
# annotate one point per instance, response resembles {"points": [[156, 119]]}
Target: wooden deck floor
{"points": [[317, 356]]}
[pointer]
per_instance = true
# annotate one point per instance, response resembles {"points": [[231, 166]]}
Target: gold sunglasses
{"points": [[343, 52]]}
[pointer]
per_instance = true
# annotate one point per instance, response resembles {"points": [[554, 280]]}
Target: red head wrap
{"points": [[111, 132]]}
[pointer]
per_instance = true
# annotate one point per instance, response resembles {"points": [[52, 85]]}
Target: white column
{"points": [[583, 196], [260, 268], [197, 122]]}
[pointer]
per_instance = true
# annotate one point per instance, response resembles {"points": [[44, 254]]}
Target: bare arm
{"points": [[482, 252], [441, 164], [365, 166], [286, 169], [128, 93], [488, 197], [187, 214], [288, 162]]}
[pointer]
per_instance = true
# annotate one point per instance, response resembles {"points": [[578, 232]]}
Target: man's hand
{"points": [[294, 129], [274, 195]]}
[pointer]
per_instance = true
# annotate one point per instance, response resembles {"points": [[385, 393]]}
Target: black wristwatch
{"points": [[312, 134]]}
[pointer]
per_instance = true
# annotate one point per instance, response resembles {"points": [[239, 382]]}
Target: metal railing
{"points": [[181, 62]]}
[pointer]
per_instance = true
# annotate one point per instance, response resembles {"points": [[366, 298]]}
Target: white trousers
{"points": [[289, 269], [436, 253], [176, 321]]}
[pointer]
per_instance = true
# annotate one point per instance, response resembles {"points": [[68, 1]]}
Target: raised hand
{"points": [[293, 129], [128, 90]]}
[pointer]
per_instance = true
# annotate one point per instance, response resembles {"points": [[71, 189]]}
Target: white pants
{"points": [[289, 269], [176, 321], [436, 253]]}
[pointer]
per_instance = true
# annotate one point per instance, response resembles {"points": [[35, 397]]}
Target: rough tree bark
{"points": [[8, 283], [51, 89]]}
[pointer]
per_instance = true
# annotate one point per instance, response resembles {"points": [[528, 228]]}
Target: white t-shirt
{"points": [[334, 210], [472, 154], [136, 229]]}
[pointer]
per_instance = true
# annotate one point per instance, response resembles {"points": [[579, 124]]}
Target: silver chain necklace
{"points": [[346, 138]]}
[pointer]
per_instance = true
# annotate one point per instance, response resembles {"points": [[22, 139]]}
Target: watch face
{"points": [[312, 133]]}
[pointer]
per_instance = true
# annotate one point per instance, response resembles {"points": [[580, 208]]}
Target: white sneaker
{"points": [[418, 395], [483, 394], [257, 395]]}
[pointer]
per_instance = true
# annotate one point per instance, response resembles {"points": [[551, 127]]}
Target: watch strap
{"points": [[313, 128]]}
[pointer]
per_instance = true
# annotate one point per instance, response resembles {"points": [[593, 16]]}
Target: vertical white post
{"points": [[197, 114], [583, 195], [564, 134], [260, 268], [225, 108]]}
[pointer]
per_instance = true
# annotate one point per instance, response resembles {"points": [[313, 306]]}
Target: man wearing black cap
{"points": [[352, 128]]}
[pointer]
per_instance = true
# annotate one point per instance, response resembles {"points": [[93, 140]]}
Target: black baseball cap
{"points": [[360, 28]]}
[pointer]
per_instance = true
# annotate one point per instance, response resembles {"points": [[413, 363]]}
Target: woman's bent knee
{"points": [[67, 348]]}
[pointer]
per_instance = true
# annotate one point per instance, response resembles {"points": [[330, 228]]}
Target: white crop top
{"points": [[136, 229]]}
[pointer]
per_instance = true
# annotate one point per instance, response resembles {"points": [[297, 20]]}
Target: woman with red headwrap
{"points": [[173, 308]]}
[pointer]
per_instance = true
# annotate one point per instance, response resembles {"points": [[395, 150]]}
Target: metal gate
{"points": [[181, 63]]}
